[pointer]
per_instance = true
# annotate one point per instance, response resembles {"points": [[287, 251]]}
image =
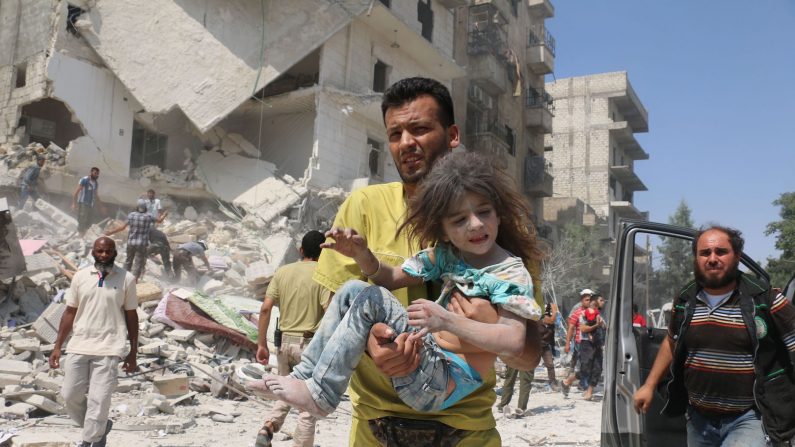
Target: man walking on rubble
{"points": [[101, 308], [140, 224], [29, 184], [573, 338], [301, 303], [85, 198], [153, 207], [730, 351], [419, 119]]}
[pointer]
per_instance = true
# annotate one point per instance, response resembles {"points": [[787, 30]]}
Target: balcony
{"points": [[628, 178], [489, 73], [537, 179], [450, 4], [622, 134], [540, 52], [540, 8], [485, 134], [627, 210], [539, 107]]}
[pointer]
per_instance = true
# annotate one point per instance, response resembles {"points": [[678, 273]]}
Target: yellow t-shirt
{"points": [[99, 327], [376, 212], [300, 299]]}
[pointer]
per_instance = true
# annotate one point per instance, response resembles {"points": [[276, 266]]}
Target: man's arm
{"points": [[74, 196], [550, 319], [162, 216], [131, 320], [569, 335], [645, 394], [64, 329], [263, 355], [117, 230]]}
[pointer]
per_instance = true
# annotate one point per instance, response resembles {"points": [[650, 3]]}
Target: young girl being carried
{"points": [[466, 211]]}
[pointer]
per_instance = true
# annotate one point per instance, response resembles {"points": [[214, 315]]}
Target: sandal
{"points": [[264, 437]]}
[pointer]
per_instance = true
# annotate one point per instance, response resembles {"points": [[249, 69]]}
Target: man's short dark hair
{"points": [[409, 89], [94, 168], [735, 237], [310, 244]]}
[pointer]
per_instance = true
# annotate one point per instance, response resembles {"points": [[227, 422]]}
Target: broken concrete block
{"points": [[154, 348], [46, 326], [65, 221], [39, 262], [183, 335], [17, 410], [9, 379], [190, 213], [209, 285], [181, 238], [43, 403], [26, 344], [15, 367], [172, 386], [148, 291], [47, 382], [259, 272], [127, 385]]}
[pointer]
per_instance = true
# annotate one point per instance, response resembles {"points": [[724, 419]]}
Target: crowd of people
{"points": [[408, 301]]}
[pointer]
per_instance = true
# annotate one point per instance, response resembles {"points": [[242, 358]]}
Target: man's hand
{"points": [[396, 357], [346, 241], [74, 207], [55, 358], [428, 316], [643, 397], [567, 348], [263, 355], [130, 363], [478, 309]]}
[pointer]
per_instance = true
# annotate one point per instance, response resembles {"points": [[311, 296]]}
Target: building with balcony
{"points": [[502, 105], [593, 149], [245, 92]]}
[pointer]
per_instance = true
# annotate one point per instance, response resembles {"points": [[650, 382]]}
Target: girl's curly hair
{"points": [[448, 182]]}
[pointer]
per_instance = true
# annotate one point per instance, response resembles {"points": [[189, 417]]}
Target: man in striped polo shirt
{"points": [[730, 351]]}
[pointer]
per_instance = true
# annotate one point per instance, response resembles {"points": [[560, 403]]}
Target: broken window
{"points": [[148, 147], [515, 8], [385, 2], [49, 120], [72, 13], [425, 17], [380, 76], [20, 74], [511, 140], [374, 158]]}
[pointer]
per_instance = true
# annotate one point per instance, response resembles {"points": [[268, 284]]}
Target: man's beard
{"points": [[716, 283], [104, 267]]}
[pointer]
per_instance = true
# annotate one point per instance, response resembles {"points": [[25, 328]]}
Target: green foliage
{"points": [[676, 261], [781, 269]]}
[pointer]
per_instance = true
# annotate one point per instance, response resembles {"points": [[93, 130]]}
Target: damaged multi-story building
{"points": [[248, 101], [508, 50]]}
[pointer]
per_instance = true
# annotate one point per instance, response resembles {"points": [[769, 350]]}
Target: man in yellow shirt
{"points": [[301, 303], [418, 115]]}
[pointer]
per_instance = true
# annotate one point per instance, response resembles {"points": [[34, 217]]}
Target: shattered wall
{"points": [[163, 69]]}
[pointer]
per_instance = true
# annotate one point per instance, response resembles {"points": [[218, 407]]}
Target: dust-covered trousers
{"points": [[288, 356], [183, 259], [590, 362], [329, 360], [136, 253], [89, 382], [525, 383]]}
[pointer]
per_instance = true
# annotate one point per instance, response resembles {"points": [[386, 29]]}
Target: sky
{"points": [[718, 81]]}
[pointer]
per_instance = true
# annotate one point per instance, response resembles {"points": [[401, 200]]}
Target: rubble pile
{"points": [[16, 158]]}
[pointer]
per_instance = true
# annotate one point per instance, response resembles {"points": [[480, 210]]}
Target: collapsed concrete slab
{"points": [[162, 71]]}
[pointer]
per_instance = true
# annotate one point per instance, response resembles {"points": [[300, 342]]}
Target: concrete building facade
{"points": [[242, 93], [593, 149], [502, 106]]}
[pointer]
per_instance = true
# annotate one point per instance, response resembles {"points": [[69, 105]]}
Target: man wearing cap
{"points": [[183, 258], [573, 331], [29, 186], [140, 223]]}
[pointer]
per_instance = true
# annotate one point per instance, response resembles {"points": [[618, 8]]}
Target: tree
{"points": [[676, 266], [571, 263], [781, 269]]}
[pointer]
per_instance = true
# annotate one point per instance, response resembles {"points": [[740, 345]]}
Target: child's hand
{"points": [[428, 316], [346, 241]]}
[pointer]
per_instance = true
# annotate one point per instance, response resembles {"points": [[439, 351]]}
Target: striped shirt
{"points": [[719, 365], [88, 191]]}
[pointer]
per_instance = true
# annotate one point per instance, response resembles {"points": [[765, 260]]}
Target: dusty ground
{"points": [[552, 420]]}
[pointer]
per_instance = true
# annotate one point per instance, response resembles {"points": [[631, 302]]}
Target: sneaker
{"points": [[564, 388], [104, 441]]}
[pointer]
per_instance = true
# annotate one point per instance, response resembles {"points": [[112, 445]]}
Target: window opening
{"points": [[374, 162], [72, 14], [511, 140], [21, 73], [148, 148], [379, 76], [425, 17]]}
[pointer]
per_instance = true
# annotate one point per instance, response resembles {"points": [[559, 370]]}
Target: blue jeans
{"points": [[744, 430], [24, 193], [329, 360]]}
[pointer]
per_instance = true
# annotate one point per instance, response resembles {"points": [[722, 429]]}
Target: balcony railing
{"points": [[537, 176], [539, 98], [489, 126], [540, 36], [489, 41]]}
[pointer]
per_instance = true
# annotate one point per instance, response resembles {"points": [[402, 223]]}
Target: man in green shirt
{"points": [[301, 303]]}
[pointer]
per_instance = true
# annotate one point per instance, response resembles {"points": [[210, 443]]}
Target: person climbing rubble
{"points": [[29, 182], [183, 259], [140, 224]]}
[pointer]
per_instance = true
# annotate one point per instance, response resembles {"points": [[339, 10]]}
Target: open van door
{"points": [[643, 281]]}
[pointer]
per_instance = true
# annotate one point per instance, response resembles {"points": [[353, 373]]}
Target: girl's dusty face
{"points": [[471, 226]]}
